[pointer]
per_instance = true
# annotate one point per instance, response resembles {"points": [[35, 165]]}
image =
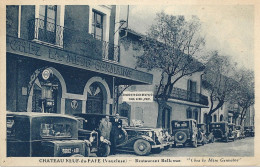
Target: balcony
{"points": [[182, 94], [72, 40]]}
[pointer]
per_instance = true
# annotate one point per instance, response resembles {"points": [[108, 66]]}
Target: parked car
{"points": [[42, 135], [185, 132], [88, 130], [249, 131], [220, 130], [240, 132], [143, 140], [232, 133], [204, 137]]}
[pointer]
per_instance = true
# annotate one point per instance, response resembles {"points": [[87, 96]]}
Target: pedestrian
{"points": [[115, 132], [105, 128]]}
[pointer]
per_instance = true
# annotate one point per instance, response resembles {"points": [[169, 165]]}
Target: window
{"points": [[192, 89], [55, 130], [221, 117], [189, 113], [215, 118], [47, 23], [97, 25]]}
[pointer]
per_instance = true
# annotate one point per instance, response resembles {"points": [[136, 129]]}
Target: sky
{"points": [[227, 28]]}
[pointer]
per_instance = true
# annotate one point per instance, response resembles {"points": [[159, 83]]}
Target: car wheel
{"points": [[180, 137], [195, 143], [87, 151], [166, 147], [226, 139], [157, 150], [213, 139], [103, 150], [142, 147], [76, 155]]}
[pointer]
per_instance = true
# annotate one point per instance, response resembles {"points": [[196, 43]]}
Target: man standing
{"points": [[105, 127], [116, 127]]}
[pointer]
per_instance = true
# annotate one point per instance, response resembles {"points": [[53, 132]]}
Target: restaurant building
{"points": [[65, 59], [186, 99]]}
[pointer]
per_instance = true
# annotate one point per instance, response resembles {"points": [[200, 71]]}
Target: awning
{"points": [[124, 75]]}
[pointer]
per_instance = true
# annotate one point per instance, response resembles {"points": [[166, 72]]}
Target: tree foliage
{"points": [[219, 80], [244, 94], [170, 47]]}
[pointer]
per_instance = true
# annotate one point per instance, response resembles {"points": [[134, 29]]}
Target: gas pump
{"points": [[47, 100]]}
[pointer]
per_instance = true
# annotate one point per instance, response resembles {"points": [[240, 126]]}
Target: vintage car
{"points": [[232, 134], [185, 132], [220, 130], [143, 140], [204, 137], [240, 132], [88, 130], [42, 135], [249, 131]]}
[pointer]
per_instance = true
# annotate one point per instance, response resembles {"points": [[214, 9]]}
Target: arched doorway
{"points": [[94, 99], [97, 93], [45, 95], [221, 118]]}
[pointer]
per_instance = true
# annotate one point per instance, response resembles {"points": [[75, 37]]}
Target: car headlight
{"points": [[91, 139], [101, 138], [150, 134]]}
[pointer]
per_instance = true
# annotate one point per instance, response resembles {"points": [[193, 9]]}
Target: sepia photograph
{"points": [[129, 84]]}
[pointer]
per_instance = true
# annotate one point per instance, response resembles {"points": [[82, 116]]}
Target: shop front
{"points": [[41, 78]]}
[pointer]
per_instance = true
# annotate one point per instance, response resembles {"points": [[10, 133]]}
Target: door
{"points": [[95, 99], [166, 118]]}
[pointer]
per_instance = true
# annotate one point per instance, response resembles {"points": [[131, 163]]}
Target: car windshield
{"points": [[238, 127], [55, 130], [182, 124]]}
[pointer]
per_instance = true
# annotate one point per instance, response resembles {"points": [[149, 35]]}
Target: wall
{"points": [[130, 48]]}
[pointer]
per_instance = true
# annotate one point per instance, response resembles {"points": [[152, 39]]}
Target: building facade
{"points": [[186, 100], [65, 59]]}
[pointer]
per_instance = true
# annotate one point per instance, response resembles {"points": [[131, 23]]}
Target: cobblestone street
{"points": [[238, 148]]}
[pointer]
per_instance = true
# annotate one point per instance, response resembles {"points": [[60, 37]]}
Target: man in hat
{"points": [[105, 128], [115, 132]]}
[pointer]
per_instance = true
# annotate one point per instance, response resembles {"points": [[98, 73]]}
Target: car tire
{"points": [[157, 150], [76, 155], [87, 151], [195, 143], [103, 151], [226, 139], [167, 147], [180, 137], [142, 147]]}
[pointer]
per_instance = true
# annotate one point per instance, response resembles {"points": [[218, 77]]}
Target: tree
{"points": [[244, 94], [170, 47], [218, 79]]}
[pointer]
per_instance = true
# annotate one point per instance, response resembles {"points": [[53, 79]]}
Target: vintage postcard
{"points": [[129, 83]]}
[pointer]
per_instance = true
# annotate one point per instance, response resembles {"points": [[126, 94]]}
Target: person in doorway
{"points": [[115, 132], [105, 128]]}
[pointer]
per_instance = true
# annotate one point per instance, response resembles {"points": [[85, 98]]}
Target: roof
{"points": [[96, 114], [184, 120], [35, 114]]}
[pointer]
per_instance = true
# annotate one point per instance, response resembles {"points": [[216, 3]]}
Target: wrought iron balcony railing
{"points": [[110, 52], [51, 33], [185, 95], [46, 32]]}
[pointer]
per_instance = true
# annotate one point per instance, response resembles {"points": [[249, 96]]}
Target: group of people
{"points": [[110, 130]]}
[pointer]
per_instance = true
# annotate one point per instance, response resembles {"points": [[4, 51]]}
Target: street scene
{"points": [[240, 148], [129, 80]]}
